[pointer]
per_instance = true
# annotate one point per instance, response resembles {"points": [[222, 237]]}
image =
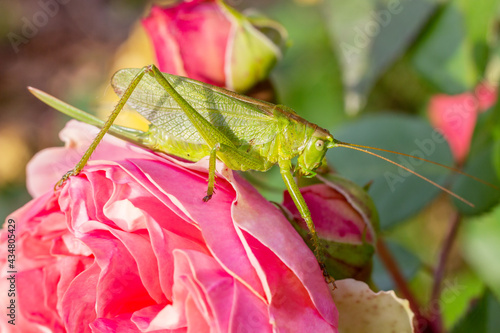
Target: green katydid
{"points": [[192, 120]]}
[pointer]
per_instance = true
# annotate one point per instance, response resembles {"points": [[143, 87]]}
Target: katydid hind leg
{"points": [[207, 131], [215, 139], [212, 136], [300, 203], [119, 106]]}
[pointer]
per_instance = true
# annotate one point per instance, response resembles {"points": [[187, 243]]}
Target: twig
{"points": [[392, 267], [435, 318]]}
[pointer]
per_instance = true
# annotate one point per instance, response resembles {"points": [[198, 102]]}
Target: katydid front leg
{"points": [[121, 103], [300, 203], [211, 172]]}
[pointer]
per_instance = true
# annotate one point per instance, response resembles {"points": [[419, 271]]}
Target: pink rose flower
{"points": [[129, 246], [455, 116], [346, 222], [209, 41]]}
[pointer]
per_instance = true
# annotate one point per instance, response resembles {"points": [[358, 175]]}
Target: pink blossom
{"points": [[129, 246], [207, 40], [455, 116]]}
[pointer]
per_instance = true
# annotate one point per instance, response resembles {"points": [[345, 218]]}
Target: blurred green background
{"points": [[363, 69]]}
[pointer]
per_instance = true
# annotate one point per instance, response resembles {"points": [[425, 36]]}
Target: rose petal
{"points": [[282, 239], [78, 303], [129, 240], [362, 310], [203, 26], [219, 235]]}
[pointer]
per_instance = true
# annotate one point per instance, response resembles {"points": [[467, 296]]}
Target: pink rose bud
{"points": [[346, 221], [455, 117], [209, 41]]}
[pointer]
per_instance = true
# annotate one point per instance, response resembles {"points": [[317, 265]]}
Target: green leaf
{"points": [[457, 290], [397, 194], [481, 246], [480, 18], [443, 55], [495, 121], [496, 157], [484, 316], [483, 197], [369, 36], [308, 79]]}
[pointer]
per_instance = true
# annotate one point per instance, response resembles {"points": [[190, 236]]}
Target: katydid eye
{"points": [[320, 144]]}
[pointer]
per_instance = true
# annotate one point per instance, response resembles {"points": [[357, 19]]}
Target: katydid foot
{"points": [[64, 178], [328, 278]]}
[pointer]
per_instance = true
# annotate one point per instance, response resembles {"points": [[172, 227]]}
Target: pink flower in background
{"points": [[486, 95], [129, 246], [207, 40], [346, 221], [455, 116]]}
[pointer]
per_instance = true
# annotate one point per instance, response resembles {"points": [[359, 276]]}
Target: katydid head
{"points": [[314, 152]]}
